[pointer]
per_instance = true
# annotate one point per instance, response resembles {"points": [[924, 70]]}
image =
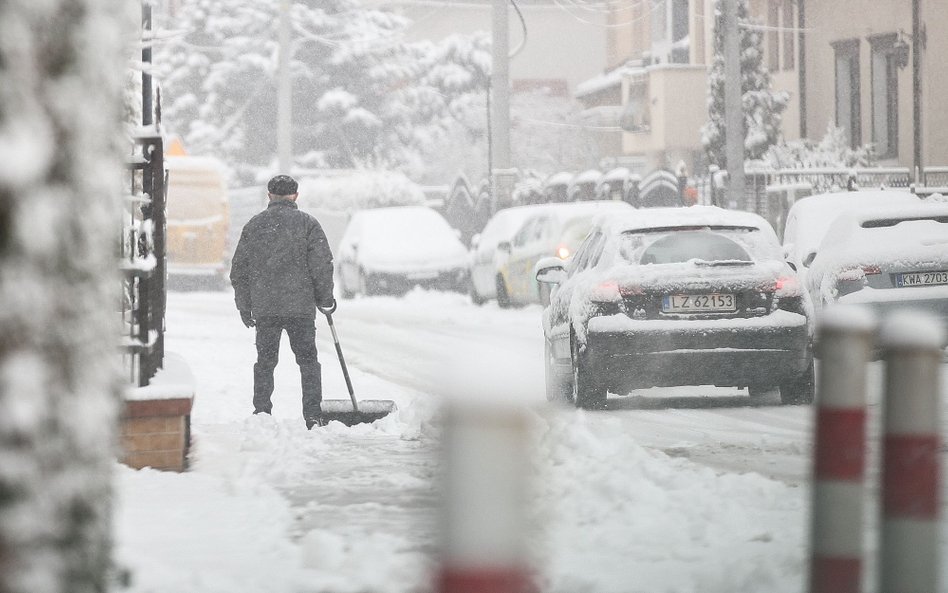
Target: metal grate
{"points": [[143, 265]]}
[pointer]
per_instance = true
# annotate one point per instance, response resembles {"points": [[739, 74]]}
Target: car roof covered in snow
{"points": [[858, 222], [895, 212], [572, 210], [815, 214], [658, 218], [909, 233], [834, 203]]}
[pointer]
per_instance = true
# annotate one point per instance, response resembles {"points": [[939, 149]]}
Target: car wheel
{"points": [[476, 298], [589, 391], [557, 389], [503, 297], [800, 390], [344, 291], [758, 392], [366, 286]]}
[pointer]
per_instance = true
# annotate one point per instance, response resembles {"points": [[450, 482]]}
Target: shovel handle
{"points": [[342, 360]]}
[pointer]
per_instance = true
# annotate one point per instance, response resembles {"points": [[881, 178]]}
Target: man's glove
{"points": [[247, 319], [327, 310]]}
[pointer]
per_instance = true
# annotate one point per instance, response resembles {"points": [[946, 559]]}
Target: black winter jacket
{"points": [[283, 265]]}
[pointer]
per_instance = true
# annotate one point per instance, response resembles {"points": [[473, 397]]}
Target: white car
{"points": [[809, 219], [485, 258], [885, 258], [516, 238], [391, 250]]}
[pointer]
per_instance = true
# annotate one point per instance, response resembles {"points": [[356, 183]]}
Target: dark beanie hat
{"points": [[283, 185]]}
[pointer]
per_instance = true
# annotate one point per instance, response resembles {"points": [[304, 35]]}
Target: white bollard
{"points": [[484, 523], [840, 452], [908, 551]]}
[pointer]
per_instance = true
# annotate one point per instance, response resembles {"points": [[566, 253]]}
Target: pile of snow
{"points": [[676, 525], [354, 190]]}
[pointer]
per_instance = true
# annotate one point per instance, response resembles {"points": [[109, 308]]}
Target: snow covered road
{"points": [[673, 490]]}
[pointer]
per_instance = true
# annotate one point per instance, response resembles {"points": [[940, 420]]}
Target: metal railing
{"points": [[821, 180], [143, 264]]}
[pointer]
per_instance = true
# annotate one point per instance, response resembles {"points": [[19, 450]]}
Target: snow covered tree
{"points": [[763, 107], [832, 151], [362, 97], [62, 69]]}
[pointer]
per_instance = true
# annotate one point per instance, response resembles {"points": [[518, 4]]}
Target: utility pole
{"points": [[284, 94], [148, 38], [917, 92], [502, 176], [733, 104]]}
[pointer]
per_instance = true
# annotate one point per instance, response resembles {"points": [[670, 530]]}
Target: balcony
{"points": [[665, 110]]}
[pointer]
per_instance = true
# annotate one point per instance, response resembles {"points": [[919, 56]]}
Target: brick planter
{"points": [[156, 422]]}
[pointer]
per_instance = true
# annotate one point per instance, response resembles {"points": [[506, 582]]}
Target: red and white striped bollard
{"points": [[839, 463], [484, 524], [908, 551]]}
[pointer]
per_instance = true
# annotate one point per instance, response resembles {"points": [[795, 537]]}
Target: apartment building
{"points": [[843, 62], [859, 75], [649, 104]]}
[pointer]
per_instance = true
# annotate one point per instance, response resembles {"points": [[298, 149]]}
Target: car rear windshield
{"points": [[888, 222], [711, 244]]}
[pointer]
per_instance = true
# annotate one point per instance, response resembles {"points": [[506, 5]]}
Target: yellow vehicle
{"points": [[198, 221]]}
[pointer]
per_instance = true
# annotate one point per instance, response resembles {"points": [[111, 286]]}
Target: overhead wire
{"points": [[607, 6], [648, 14], [523, 25]]}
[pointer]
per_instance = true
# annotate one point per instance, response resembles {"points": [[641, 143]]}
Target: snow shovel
{"points": [[351, 412]]}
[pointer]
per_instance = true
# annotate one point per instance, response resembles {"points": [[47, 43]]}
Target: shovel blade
{"points": [[370, 410]]}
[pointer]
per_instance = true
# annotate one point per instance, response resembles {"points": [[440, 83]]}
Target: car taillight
{"points": [[787, 294], [787, 286], [606, 298], [562, 252], [605, 292], [850, 280], [857, 273]]}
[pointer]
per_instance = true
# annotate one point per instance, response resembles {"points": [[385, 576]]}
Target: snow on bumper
{"points": [[930, 299], [632, 354]]}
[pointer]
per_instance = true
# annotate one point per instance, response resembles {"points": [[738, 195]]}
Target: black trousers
{"points": [[302, 334]]}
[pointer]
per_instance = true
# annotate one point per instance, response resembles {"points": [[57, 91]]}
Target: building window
{"points": [[885, 96], [847, 90], [670, 27], [789, 34]]}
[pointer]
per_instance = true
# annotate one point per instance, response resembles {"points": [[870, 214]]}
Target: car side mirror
{"points": [[504, 246], [550, 270]]}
